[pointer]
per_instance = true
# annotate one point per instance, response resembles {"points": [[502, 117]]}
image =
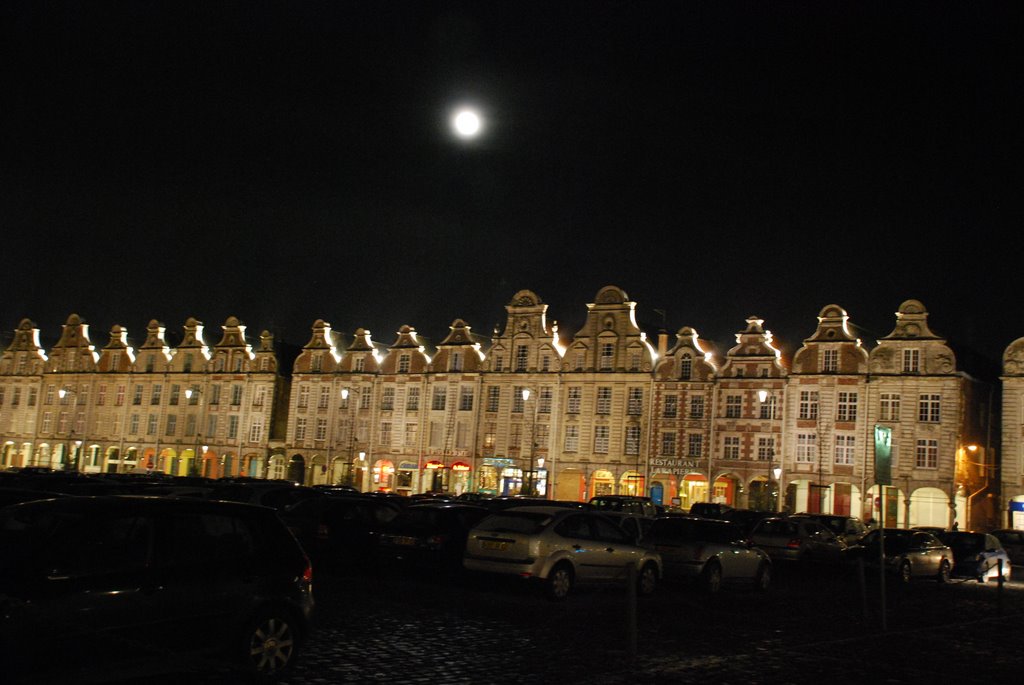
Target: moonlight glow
{"points": [[466, 123]]}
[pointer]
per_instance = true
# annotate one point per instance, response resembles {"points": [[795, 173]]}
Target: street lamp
{"points": [[763, 396], [529, 485], [189, 394], [350, 424], [72, 457]]}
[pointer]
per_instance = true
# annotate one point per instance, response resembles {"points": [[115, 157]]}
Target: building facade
{"points": [[525, 411]]}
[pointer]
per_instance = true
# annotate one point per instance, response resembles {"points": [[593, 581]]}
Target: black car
{"points": [[629, 504], [340, 531], [130, 585], [430, 535]]}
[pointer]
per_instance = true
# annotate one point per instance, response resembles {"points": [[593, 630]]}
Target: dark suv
{"points": [[129, 585]]}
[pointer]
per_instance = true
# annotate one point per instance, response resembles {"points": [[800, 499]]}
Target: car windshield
{"points": [[515, 522], [606, 504]]}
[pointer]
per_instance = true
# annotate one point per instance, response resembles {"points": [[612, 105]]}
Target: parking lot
{"points": [[810, 625]]}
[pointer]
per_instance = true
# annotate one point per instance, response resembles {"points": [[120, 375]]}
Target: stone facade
{"points": [[525, 411]]}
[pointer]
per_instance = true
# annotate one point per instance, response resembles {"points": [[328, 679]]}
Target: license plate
{"points": [[492, 545]]}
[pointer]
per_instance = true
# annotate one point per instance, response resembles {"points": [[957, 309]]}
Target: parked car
{"points": [[746, 518], [635, 525], [976, 555], [9, 496], [507, 502], [1013, 542], [850, 529], [800, 539], [340, 531], [710, 552], [629, 504], [910, 554], [154, 583], [276, 494], [709, 510], [559, 546], [429, 535]]}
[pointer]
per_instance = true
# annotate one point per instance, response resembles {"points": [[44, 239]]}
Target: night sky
{"points": [[284, 162]]}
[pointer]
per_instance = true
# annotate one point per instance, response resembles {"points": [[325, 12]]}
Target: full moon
{"points": [[466, 123]]}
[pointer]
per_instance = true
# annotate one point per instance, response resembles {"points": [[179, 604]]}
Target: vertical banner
{"points": [[883, 455]]}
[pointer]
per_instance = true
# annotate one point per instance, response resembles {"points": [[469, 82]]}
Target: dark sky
{"points": [[283, 162]]}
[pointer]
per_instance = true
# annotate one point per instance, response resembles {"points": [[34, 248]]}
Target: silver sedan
{"points": [[710, 552], [910, 554]]}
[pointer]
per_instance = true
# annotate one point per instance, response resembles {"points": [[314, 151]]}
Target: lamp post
{"points": [[529, 485], [71, 463], [766, 396], [189, 394]]}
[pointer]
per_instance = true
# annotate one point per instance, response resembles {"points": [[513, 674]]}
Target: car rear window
{"points": [[527, 523], [777, 528], [693, 530], [964, 544]]}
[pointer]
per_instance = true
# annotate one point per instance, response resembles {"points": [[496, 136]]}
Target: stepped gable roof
{"points": [[26, 339], [193, 337]]}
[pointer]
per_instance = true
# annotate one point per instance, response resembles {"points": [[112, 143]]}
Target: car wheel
{"points": [[559, 582], [711, 577], [648, 580], [270, 647], [944, 572], [906, 573], [764, 577]]}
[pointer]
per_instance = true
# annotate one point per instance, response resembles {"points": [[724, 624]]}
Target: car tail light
{"points": [[307, 575], [794, 543]]}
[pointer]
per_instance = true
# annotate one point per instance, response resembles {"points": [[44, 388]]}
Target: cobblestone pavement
{"points": [[808, 628]]}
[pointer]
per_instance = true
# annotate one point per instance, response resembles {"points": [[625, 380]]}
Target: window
{"points": [[517, 400], [387, 399], [175, 395], [324, 400], [137, 397], [489, 435], [634, 360], [806, 448], [635, 403], [403, 363], [601, 439], [632, 440], [765, 449], [211, 426], [300, 428], [438, 400], [411, 433], [412, 399], [455, 361], [47, 421], [580, 361], [233, 427], [172, 424], [154, 396], [604, 400], [522, 356], [321, 429], [544, 403], [33, 393], [733, 406], [119, 398], [607, 359], [318, 362], [668, 444], [845, 446], [190, 425], [493, 397], [731, 448], [846, 408], [697, 407], [133, 424], [360, 364], [686, 368], [151, 423], [911, 361], [574, 400], [670, 409], [303, 397], [830, 361], [466, 399], [927, 454], [215, 394], [768, 407], [808, 404], [572, 438], [695, 445], [365, 397], [256, 429], [890, 407], [499, 362], [50, 389], [236, 395], [929, 408]]}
